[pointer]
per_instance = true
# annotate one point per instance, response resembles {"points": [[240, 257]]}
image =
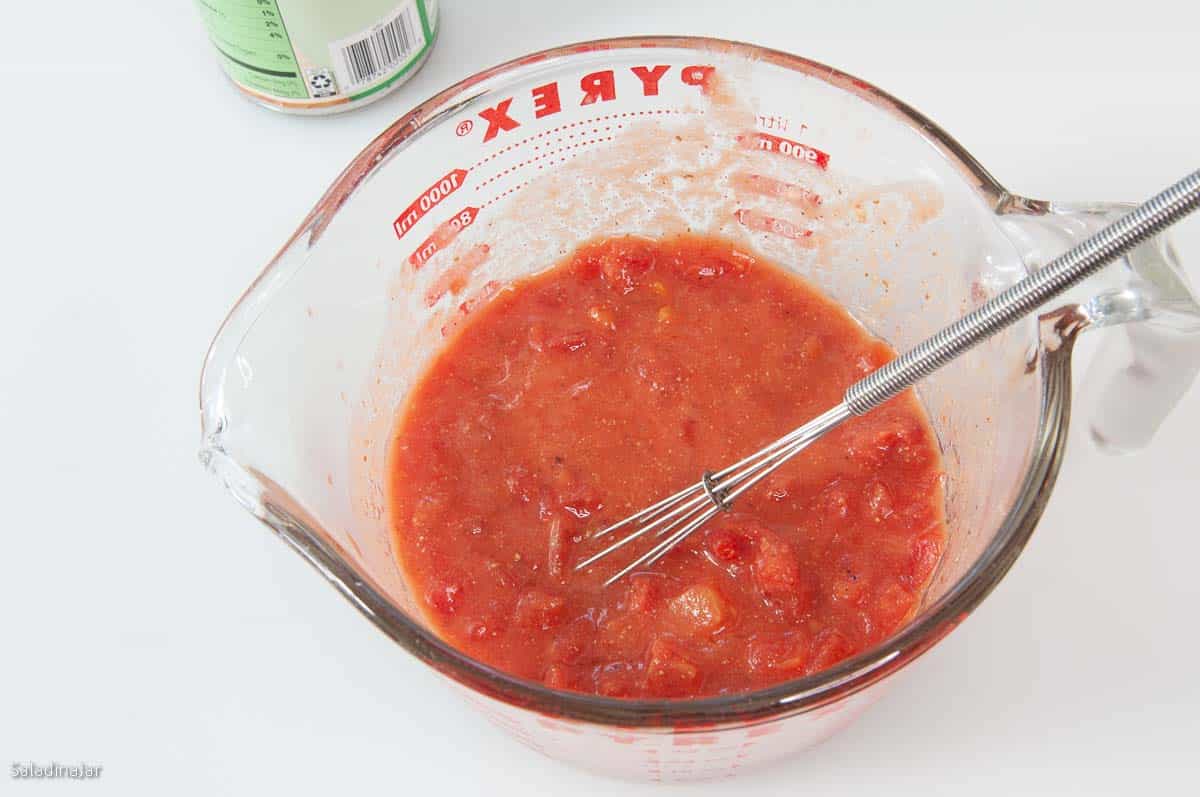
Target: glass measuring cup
{"points": [[497, 176]]}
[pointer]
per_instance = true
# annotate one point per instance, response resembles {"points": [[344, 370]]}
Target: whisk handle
{"points": [[1081, 261]]}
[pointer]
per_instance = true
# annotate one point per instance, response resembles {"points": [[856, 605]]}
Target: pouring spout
{"points": [[245, 488]]}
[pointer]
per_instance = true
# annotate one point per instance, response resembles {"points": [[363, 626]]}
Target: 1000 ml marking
{"points": [[428, 200]]}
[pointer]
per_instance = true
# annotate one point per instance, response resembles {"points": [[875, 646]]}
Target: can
{"points": [[319, 56]]}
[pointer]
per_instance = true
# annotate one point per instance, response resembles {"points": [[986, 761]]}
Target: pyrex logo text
{"points": [[594, 87]]}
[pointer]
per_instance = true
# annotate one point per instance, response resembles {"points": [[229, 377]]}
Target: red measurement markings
{"points": [[489, 290], [442, 235], [486, 294], [585, 123], [761, 222], [503, 194], [785, 146], [536, 158], [791, 193], [428, 200], [454, 279]]}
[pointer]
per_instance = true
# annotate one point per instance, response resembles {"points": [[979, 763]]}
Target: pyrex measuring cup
{"points": [[501, 175]]}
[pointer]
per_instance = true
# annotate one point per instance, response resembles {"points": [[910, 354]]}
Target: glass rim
{"points": [[784, 698]]}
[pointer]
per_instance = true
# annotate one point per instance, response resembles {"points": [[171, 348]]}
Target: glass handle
{"points": [[1144, 367]]}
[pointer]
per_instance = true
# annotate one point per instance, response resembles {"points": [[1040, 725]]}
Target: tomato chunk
{"points": [[701, 610], [926, 552], [879, 501], [727, 545], [539, 609], [620, 262], [557, 551], [616, 680], [784, 653], [830, 647], [572, 341], [643, 594], [668, 672], [776, 569], [445, 597], [892, 603], [572, 643]]}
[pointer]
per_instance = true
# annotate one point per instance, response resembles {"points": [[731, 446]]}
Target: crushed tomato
{"points": [[612, 379]]}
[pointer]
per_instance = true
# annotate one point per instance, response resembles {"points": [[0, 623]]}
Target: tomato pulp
{"points": [[586, 392]]}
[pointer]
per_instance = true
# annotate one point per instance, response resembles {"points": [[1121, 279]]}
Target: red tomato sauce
{"points": [[617, 377]]}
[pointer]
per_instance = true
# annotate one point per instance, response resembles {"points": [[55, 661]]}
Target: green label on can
{"points": [[253, 44], [317, 53]]}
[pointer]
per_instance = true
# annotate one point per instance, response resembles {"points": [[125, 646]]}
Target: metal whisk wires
{"points": [[678, 516], [687, 510]]}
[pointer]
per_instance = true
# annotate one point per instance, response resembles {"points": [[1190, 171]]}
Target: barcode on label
{"points": [[375, 52]]}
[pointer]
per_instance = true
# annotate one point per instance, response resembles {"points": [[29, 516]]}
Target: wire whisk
{"points": [[676, 517]]}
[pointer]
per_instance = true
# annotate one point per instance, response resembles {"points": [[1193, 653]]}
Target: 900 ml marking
{"points": [[428, 200], [786, 147]]}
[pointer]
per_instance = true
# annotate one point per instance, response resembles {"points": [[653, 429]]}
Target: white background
{"points": [[150, 625]]}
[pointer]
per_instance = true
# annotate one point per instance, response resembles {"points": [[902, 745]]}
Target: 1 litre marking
{"points": [[428, 200]]}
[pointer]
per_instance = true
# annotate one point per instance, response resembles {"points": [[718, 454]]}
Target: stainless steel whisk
{"points": [[677, 516]]}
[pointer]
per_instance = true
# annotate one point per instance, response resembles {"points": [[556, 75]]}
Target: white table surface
{"points": [[152, 626]]}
